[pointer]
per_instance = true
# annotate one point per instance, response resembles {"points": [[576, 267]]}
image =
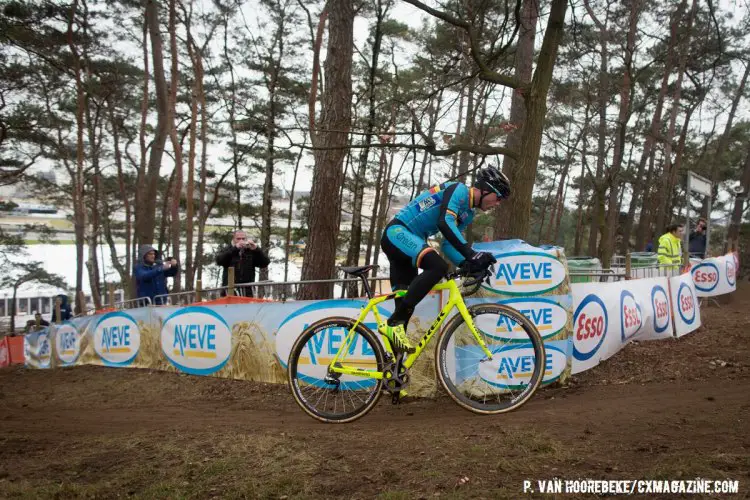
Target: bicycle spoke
{"points": [[496, 386], [346, 395]]}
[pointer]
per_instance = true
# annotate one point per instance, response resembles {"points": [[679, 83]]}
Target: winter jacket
{"points": [[697, 244], [151, 279], [244, 262], [65, 310]]}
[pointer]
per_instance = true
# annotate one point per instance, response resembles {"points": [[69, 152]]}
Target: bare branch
{"points": [[477, 149], [485, 73]]}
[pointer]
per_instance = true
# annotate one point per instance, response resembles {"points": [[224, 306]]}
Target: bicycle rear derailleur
{"points": [[396, 377]]}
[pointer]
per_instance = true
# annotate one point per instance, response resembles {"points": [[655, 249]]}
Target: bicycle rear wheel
{"points": [[515, 372], [340, 398]]}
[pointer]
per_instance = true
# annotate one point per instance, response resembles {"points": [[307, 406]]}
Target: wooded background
{"points": [[171, 112]]}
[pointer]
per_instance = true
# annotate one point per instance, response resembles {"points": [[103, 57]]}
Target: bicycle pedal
{"points": [[395, 399]]}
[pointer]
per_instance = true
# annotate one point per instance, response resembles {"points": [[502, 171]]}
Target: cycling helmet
{"points": [[491, 179]]}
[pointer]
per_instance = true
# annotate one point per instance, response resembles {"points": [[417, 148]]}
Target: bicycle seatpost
{"points": [[368, 292]]}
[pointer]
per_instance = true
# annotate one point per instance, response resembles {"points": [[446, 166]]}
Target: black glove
{"points": [[480, 261]]}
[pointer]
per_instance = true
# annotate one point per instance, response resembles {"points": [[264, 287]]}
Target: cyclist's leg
{"points": [[406, 248], [433, 270]]}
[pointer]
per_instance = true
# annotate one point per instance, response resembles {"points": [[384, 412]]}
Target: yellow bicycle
{"points": [[490, 358]]}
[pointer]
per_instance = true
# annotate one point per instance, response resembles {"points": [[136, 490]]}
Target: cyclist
{"points": [[447, 208]]}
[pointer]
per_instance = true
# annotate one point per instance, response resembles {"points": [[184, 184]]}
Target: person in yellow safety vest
{"points": [[670, 245]]}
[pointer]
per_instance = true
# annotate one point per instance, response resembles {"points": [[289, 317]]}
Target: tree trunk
{"points": [[653, 133], [608, 237], [675, 169], [663, 193], [454, 168], [202, 210], [355, 240], [559, 203], [146, 208], [141, 176], [581, 189], [559, 218], [123, 271], [733, 234], [524, 61], [92, 124], [724, 139], [291, 210], [598, 224], [544, 210], [468, 137], [192, 142], [78, 177], [644, 222], [176, 225], [374, 217], [335, 122], [163, 243], [382, 211], [524, 174]]}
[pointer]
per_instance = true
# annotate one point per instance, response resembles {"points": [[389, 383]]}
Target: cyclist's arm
{"points": [[448, 223], [449, 250]]}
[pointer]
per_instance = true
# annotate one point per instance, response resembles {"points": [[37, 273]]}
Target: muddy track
{"points": [[665, 409]]}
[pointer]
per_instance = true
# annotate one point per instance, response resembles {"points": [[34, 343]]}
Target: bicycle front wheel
{"points": [[335, 398], [491, 386]]}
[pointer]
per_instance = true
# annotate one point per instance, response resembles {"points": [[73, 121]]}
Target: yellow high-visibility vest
{"points": [[670, 249]]}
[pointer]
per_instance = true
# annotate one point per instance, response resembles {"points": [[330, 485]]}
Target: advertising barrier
{"points": [[582, 324], [685, 307], [609, 315], [38, 349], [715, 275], [536, 282]]}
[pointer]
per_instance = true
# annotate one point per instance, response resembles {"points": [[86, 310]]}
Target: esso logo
{"points": [[526, 273], [513, 365], [686, 303], [44, 350], [117, 339], [590, 323], [67, 344], [731, 272], [631, 315], [660, 303], [325, 343], [548, 317], [196, 340], [705, 276]]}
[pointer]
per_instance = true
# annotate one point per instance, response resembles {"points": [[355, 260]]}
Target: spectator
{"points": [[244, 255], [36, 324], [670, 245], [697, 240], [65, 310], [151, 273]]}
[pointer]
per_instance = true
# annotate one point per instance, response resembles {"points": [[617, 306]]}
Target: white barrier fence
{"points": [[582, 323], [715, 275]]}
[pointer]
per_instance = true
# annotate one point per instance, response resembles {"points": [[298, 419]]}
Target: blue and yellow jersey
{"points": [[447, 208]]}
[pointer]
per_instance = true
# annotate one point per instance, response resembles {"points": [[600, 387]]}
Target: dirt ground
{"points": [[674, 409]]}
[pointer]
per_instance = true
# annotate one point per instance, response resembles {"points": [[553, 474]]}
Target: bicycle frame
{"points": [[454, 300]]}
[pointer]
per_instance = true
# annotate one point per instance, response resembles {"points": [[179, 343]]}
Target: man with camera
{"points": [[697, 240], [151, 274], [244, 255]]}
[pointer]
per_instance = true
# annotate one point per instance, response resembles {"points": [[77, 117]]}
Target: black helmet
{"points": [[493, 180]]}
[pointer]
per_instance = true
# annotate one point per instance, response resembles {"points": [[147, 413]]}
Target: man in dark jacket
{"points": [[66, 312], [151, 273], [244, 255], [697, 240]]}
